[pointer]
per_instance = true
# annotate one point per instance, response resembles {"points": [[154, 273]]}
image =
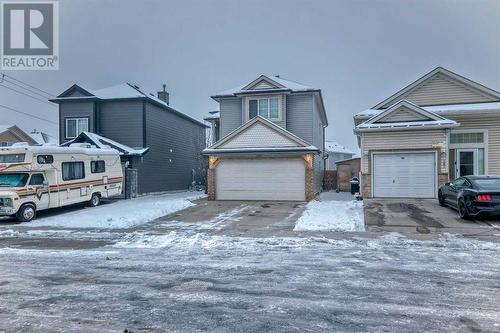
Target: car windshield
{"points": [[13, 179], [488, 183]]}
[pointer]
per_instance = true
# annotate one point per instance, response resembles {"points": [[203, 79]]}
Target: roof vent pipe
{"points": [[164, 95]]}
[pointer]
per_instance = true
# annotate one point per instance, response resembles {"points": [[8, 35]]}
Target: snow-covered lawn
{"points": [[331, 215], [122, 213]]}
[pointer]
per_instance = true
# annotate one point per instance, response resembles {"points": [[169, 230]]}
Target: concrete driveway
{"points": [[423, 216], [241, 218]]}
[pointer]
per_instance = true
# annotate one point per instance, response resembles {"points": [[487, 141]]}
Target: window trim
{"points": [[457, 146], [96, 161], [281, 106], [66, 119], [72, 162], [31, 178]]}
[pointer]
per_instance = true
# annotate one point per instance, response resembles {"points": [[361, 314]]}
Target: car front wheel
{"points": [[463, 211], [95, 200], [26, 213]]}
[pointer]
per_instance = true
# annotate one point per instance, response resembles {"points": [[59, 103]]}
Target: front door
{"points": [[466, 162]]}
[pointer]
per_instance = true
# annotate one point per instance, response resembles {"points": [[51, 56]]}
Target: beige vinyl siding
{"points": [[401, 115], [402, 141], [258, 135], [440, 89], [492, 125]]}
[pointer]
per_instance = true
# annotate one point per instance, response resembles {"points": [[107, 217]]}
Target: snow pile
{"points": [[123, 213], [332, 216]]}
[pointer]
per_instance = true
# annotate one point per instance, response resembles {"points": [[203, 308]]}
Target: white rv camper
{"points": [[34, 178]]}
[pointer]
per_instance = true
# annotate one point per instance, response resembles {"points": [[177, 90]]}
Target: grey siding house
{"points": [[270, 142], [129, 116]]}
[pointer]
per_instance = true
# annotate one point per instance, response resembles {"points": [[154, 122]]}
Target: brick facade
{"points": [[211, 184], [366, 185], [310, 191]]}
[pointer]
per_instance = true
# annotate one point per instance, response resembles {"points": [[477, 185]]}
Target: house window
{"points": [[265, 107], [75, 126], [456, 138], [97, 166], [73, 170]]}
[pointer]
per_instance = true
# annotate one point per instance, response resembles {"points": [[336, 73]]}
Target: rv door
{"points": [[39, 188]]}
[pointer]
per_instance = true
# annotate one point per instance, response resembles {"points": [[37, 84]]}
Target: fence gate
{"points": [[130, 183]]}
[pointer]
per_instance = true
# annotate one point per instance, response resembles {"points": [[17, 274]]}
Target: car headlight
{"points": [[7, 202]]}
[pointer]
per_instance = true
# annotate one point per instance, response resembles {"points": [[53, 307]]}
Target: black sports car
{"points": [[472, 195]]}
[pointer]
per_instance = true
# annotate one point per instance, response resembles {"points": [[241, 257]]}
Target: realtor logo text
{"points": [[30, 35]]}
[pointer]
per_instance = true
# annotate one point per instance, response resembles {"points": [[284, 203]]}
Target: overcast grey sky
{"points": [[357, 52]]}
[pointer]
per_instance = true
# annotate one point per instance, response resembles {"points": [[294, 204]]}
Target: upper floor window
{"points": [[75, 126], [265, 107]]}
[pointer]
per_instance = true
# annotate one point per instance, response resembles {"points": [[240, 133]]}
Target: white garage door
{"points": [[401, 175], [260, 179]]}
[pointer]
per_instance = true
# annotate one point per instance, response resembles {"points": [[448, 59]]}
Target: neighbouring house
{"points": [[133, 118], [43, 138], [10, 134], [437, 128], [336, 152], [214, 133], [271, 142]]}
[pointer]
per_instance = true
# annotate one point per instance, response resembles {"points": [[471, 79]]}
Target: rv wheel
{"points": [[95, 200], [26, 213]]}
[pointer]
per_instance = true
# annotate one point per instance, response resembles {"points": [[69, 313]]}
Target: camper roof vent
{"points": [[20, 144], [81, 145]]}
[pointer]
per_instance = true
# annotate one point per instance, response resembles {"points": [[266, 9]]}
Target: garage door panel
{"points": [[260, 179], [404, 175]]}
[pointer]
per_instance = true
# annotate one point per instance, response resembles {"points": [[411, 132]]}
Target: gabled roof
{"points": [[43, 138], [116, 92], [406, 104], [495, 95], [260, 135], [21, 135], [428, 119], [104, 143], [5, 128], [274, 84], [277, 84]]}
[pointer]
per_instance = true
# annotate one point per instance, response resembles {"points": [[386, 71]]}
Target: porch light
{"points": [[212, 160], [308, 158]]}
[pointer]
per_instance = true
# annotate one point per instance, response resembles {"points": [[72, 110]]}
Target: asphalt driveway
{"points": [[423, 216]]}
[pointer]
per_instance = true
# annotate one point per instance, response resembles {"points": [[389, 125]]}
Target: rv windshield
{"points": [[13, 179]]}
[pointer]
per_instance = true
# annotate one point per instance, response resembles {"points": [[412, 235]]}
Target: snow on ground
{"points": [[122, 213], [332, 215]]}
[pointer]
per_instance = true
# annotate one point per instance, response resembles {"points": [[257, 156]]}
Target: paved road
{"points": [[185, 280]]}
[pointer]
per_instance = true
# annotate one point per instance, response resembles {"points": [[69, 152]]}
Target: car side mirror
{"points": [[45, 184], [447, 184]]}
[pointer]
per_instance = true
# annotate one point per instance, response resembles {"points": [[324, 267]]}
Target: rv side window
{"points": [[12, 158], [73, 170], [45, 159], [37, 179], [97, 166]]}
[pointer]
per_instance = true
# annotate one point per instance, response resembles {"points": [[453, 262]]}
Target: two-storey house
{"points": [[271, 144], [126, 115]]}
